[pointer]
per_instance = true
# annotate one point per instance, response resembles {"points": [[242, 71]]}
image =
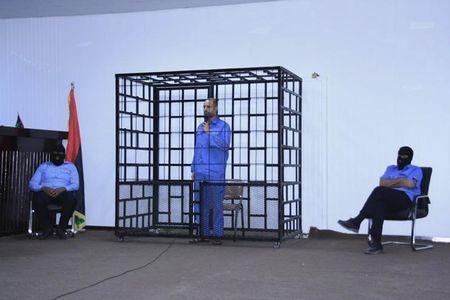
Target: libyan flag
{"points": [[19, 123], [73, 154]]}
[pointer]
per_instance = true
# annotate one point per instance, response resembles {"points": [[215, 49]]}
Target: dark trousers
{"points": [[382, 201], [41, 201]]}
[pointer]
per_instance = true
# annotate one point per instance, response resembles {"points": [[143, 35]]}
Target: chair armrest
{"points": [[424, 200], [421, 196], [418, 198]]}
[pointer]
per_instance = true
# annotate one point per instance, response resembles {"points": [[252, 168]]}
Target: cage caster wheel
{"points": [[155, 231], [301, 236], [276, 245], [32, 234], [120, 238]]}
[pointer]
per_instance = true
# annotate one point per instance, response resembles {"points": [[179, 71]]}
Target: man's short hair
{"points": [[216, 102]]}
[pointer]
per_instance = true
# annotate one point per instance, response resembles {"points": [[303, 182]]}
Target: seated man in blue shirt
{"points": [[55, 182], [398, 187], [209, 163]]}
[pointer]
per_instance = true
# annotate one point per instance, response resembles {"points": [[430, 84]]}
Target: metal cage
{"points": [[156, 118]]}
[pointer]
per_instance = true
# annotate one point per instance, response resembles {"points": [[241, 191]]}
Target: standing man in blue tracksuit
{"points": [[209, 163]]}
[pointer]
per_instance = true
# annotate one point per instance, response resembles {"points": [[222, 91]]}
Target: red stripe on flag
{"points": [[74, 140]]}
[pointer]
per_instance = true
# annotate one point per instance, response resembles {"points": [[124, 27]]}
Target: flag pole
{"points": [[74, 154]]}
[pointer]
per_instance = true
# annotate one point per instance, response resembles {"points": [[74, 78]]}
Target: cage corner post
{"points": [[155, 204]]}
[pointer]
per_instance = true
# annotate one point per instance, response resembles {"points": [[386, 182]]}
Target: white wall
{"points": [[384, 69]]}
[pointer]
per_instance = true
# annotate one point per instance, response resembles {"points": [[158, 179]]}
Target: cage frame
{"points": [[289, 224]]}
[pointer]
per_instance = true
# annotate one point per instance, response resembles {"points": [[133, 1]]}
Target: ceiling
{"points": [[50, 8]]}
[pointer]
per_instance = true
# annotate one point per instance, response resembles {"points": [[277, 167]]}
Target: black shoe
{"points": [[374, 249], [44, 234], [198, 240], [350, 224], [62, 234], [217, 242]]}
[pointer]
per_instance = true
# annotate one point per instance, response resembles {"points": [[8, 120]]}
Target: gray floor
{"points": [[325, 266]]}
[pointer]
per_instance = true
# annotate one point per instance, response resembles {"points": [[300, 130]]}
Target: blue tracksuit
{"points": [[209, 164]]}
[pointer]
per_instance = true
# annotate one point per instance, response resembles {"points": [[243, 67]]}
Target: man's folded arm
{"points": [[398, 182]]}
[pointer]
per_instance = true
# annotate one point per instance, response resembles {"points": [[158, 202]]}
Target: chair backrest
{"points": [[426, 172], [233, 191]]}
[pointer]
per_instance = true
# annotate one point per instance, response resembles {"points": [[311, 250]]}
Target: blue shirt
{"points": [[410, 172], [52, 176], [211, 150]]}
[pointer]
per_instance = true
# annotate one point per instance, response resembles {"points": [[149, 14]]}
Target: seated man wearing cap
{"points": [[55, 182]]}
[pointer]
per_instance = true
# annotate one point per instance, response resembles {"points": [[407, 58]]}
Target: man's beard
{"points": [[207, 116]]}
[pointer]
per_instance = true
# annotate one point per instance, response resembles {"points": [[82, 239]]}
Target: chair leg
{"points": [[30, 222], [234, 218], [72, 230], [72, 222], [242, 222], [412, 243], [73, 225], [419, 247], [369, 236]]}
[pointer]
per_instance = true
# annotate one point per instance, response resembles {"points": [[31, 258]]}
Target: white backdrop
{"points": [[383, 65]]}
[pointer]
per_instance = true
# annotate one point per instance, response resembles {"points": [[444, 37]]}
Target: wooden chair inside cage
{"points": [[233, 203], [53, 210], [418, 210]]}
